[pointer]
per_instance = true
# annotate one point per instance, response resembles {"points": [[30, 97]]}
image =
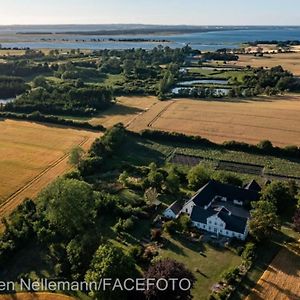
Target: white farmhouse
{"points": [[221, 209]]}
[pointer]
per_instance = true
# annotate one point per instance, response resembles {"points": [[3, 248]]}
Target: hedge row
{"points": [[38, 117]]}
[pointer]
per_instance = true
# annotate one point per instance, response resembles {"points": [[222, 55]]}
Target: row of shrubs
{"points": [[231, 278], [38, 117], [264, 147]]}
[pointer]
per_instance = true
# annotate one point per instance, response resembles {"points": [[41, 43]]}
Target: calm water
{"points": [[201, 41], [217, 91], [203, 81]]}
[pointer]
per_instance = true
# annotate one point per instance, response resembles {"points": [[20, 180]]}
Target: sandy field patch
{"points": [[124, 111], [273, 118], [32, 155], [289, 61], [281, 280]]}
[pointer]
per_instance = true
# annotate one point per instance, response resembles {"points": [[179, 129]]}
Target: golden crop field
{"points": [[124, 111], [248, 120], [281, 280], [289, 61], [35, 296], [31, 155]]}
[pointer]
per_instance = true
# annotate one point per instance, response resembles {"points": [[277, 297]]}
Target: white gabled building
{"points": [[218, 208], [173, 211]]}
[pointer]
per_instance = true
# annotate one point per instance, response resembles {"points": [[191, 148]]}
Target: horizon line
{"points": [[151, 24]]}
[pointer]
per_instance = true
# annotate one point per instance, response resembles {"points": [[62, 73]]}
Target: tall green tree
{"points": [[263, 219], [69, 205], [110, 262], [281, 194], [76, 155], [198, 176], [170, 269]]}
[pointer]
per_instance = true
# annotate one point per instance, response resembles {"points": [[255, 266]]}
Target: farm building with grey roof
{"points": [[221, 209]]}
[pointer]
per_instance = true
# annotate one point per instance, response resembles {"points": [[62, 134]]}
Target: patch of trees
{"points": [[221, 55], [38, 117], [23, 68], [271, 81], [166, 83], [10, 86], [18, 230], [275, 42], [156, 56], [278, 200], [63, 99], [199, 175], [135, 87], [102, 149], [63, 222]]}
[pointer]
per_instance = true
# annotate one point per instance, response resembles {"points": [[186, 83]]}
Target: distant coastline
{"points": [[130, 29], [118, 36]]}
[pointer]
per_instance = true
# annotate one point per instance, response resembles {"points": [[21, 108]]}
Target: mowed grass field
{"points": [[124, 111], [248, 120], [35, 296], [206, 267], [289, 61], [281, 280], [32, 155]]}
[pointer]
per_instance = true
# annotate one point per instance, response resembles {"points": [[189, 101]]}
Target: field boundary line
{"points": [[139, 115], [160, 114]]}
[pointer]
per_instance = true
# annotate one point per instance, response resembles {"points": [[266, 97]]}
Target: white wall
{"points": [[168, 213], [187, 209], [220, 231]]}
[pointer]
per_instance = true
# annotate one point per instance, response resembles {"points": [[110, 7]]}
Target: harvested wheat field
{"points": [[281, 280], [124, 111], [32, 155], [289, 61], [273, 118], [35, 296]]}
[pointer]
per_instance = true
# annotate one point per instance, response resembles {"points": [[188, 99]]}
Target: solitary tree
{"points": [[197, 177], [172, 181], [69, 205], [281, 194], [76, 155], [263, 219], [170, 269], [151, 195]]}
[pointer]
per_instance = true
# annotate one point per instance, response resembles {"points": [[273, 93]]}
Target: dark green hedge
{"points": [[38, 117]]}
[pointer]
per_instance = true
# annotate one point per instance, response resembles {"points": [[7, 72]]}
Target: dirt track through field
{"points": [[41, 180]]}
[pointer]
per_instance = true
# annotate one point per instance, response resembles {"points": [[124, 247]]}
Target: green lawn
{"points": [[211, 263], [112, 80], [226, 74]]}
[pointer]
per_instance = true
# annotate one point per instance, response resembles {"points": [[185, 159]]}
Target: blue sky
{"points": [[194, 12]]}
